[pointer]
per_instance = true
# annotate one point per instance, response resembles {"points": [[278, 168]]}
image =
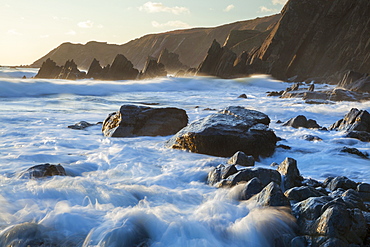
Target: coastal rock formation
{"points": [[70, 71], [50, 70], [132, 120], [95, 70], [153, 69], [226, 132], [218, 62], [171, 61], [318, 38], [121, 69], [354, 81], [190, 44]]}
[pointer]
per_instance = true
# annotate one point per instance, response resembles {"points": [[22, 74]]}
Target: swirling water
{"points": [[134, 191]]}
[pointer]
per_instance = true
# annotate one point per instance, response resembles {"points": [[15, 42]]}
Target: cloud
{"points": [[86, 24], [228, 8], [151, 7], [264, 9], [71, 32], [176, 24], [14, 32], [276, 2]]}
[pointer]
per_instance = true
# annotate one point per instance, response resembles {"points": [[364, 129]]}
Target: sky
{"points": [[30, 29]]}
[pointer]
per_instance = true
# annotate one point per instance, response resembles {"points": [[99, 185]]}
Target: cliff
{"points": [[190, 44], [316, 38]]}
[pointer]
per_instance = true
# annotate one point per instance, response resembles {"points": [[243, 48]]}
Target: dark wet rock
{"points": [[339, 222], [341, 182], [354, 151], [70, 71], [315, 96], [153, 69], [363, 187], [271, 195], [121, 69], [49, 70], [355, 81], [45, 170], [264, 175], [302, 121], [171, 61], [292, 178], [132, 120], [251, 188], [339, 94], [80, 125], [283, 147], [363, 136], [353, 199], [24, 77], [240, 158], [302, 193], [311, 88], [311, 138], [354, 120], [311, 182], [243, 96], [226, 132], [218, 62]]}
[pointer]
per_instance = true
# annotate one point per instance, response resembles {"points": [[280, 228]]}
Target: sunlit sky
{"points": [[30, 29]]}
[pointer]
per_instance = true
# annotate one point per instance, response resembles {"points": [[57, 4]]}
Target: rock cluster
{"points": [[50, 70], [332, 213], [226, 132], [133, 120]]}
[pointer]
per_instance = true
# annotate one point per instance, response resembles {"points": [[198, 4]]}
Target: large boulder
{"points": [[271, 196], [302, 121], [132, 120], [226, 132]]}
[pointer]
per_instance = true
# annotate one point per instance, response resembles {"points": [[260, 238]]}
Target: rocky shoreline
{"points": [[334, 212]]}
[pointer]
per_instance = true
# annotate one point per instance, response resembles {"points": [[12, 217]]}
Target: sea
{"points": [[135, 191]]}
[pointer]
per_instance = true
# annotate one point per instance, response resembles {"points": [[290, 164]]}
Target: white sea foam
{"points": [[135, 185]]}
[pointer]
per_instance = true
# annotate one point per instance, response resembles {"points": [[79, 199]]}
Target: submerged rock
{"points": [[226, 132], [354, 151], [45, 170], [132, 120], [80, 125]]}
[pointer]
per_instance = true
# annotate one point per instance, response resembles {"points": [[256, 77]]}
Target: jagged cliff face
{"points": [[191, 45], [316, 38]]}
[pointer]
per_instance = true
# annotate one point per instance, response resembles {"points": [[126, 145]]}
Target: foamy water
{"points": [[122, 192]]}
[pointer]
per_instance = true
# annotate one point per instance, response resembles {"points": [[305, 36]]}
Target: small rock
{"points": [[288, 168], [341, 182], [360, 135], [263, 174], [80, 125], [311, 138], [240, 158], [363, 187], [243, 96], [302, 193]]}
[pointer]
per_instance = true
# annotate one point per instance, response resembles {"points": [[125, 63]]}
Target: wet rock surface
{"points": [[332, 213], [226, 132], [302, 121], [132, 120], [44, 170]]}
